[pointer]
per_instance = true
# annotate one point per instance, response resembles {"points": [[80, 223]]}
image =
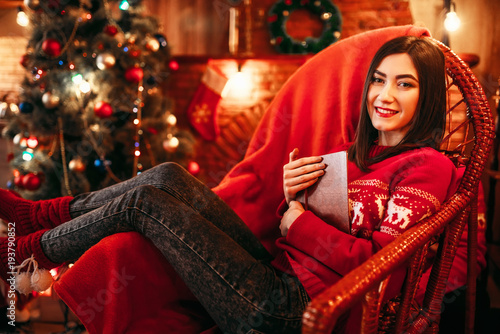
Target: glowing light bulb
{"points": [[238, 87], [22, 19], [27, 156], [171, 120], [77, 78], [124, 5], [84, 87], [452, 21], [32, 142]]}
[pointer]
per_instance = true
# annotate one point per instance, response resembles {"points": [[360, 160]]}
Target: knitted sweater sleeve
{"points": [[415, 190]]}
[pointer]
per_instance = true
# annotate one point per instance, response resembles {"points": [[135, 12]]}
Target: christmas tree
{"points": [[91, 110]]}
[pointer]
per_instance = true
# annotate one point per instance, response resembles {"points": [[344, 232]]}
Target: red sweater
{"points": [[391, 197]]}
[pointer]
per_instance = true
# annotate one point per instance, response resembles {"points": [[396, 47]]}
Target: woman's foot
{"points": [[27, 216], [23, 250]]}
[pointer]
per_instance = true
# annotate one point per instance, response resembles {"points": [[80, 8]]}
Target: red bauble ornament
{"points": [[193, 167], [51, 47], [111, 30], [103, 109], [32, 181], [53, 4], [135, 53], [24, 60], [18, 181], [134, 74], [10, 156], [153, 131], [173, 65]]}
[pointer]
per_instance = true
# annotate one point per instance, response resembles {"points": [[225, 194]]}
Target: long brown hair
{"points": [[428, 124]]}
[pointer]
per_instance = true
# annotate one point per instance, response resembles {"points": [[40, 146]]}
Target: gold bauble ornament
{"points": [[171, 120], [105, 60], [50, 100], [170, 144], [76, 165], [153, 45]]}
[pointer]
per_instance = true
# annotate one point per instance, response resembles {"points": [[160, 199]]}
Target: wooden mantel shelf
{"points": [[271, 57]]}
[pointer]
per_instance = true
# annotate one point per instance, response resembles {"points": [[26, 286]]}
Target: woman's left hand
{"points": [[295, 209]]}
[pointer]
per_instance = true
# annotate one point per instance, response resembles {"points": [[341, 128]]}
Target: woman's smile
{"points": [[384, 112]]}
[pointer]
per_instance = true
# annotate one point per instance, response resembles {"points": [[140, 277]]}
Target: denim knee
{"points": [[171, 168]]}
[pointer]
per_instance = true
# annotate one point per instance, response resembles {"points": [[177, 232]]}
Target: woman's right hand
{"points": [[299, 174]]}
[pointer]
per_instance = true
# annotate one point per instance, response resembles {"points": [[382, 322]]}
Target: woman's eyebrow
{"points": [[409, 76], [399, 76]]}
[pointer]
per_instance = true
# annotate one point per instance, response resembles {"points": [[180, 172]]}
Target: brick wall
{"points": [[11, 71], [11, 75]]}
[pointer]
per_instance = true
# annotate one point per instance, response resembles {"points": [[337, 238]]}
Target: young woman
{"points": [[396, 178]]}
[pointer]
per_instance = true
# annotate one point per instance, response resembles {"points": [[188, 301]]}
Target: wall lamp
{"points": [[451, 21]]}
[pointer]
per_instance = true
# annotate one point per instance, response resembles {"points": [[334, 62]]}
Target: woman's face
{"points": [[393, 97]]}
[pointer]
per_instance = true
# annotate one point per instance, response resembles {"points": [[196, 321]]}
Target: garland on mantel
{"points": [[284, 43]]}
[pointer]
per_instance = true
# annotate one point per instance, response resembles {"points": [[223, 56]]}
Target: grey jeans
{"points": [[210, 247]]}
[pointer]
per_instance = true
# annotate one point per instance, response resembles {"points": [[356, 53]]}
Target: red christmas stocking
{"points": [[202, 111]]}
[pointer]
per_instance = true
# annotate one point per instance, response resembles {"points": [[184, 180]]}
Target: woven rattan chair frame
{"points": [[366, 283]]}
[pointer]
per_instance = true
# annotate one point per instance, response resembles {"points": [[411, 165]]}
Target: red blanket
{"points": [[316, 110]]}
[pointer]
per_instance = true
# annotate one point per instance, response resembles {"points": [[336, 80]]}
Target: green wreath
{"points": [[284, 43]]}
